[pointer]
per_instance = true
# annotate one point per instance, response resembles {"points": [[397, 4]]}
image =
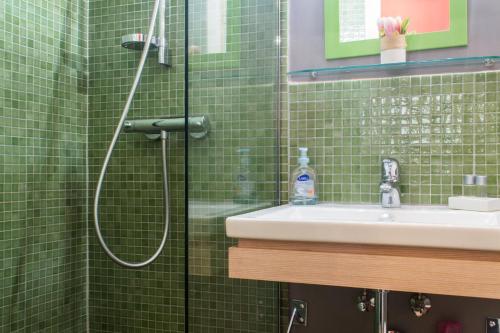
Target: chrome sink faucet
{"points": [[390, 195]]}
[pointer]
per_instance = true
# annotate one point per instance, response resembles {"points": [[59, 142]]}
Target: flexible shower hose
{"points": [[112, 145]]}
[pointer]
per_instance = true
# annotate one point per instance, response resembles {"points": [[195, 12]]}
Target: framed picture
{"points": [[351, 25]]}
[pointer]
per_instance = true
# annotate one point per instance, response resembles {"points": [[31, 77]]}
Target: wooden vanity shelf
{"points": [[409, 269]]}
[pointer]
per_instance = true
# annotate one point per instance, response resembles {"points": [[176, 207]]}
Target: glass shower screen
{"points": [[233, 79]]}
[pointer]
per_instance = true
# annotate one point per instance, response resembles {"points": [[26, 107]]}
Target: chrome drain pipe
{"points": [[381, 311]]}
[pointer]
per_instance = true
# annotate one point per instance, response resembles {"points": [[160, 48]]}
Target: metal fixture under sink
{"points": [[390, 195], [366, 301], [492, 325], [381, 311], [298, 315], [376, 300], [420, 305]]}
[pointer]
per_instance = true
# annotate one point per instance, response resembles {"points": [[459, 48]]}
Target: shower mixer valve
{"points": [[198, 127]]}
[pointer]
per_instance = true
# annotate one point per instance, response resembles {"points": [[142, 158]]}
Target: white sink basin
{"points": [[424, 226]]}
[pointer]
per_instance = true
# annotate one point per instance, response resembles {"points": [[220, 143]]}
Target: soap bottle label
{"points": [[304, 187]]}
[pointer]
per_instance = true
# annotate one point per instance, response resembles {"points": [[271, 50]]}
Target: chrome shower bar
{"points": [[198, 126], [163, 57]]}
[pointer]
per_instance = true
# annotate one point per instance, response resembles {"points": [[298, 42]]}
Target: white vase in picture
{"points": [[392, 49]]}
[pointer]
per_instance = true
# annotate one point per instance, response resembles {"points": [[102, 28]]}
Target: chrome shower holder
{"points": [[137, 41]]}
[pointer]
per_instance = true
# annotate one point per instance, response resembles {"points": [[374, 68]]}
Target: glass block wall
{"points": [[43, 126]]}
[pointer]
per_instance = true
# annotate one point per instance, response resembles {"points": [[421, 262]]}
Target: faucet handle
{"points": [[390, 170]]}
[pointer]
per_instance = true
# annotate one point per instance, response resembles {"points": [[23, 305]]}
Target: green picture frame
{"points": [[334, 49]]}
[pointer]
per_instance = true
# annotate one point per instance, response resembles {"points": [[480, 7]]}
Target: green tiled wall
{"points": [[149, 299], [43, 121], [439, 127]]}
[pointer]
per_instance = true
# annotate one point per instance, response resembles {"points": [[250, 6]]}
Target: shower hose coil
{"points": [[109, 153]]}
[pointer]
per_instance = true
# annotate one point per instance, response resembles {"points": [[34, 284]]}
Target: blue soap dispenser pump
{"points": [[303, 182]]}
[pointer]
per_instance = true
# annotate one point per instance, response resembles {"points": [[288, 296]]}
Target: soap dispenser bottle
{"points": [[303, 182]]}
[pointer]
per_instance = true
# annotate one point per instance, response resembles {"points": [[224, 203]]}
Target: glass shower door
{"points": [[233, 79]]}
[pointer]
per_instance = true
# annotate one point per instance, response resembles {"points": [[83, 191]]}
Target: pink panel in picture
{"points": [[425, 15]]}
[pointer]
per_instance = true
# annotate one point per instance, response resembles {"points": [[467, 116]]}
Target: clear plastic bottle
{"points": [[303, 182], [244, 191], [481, 186], [469, 186]]}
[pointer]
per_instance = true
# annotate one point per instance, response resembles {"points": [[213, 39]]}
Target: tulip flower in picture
{"points": [[388, 26], [392, 31]]}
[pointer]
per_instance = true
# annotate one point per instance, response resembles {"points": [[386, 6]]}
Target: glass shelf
{"points": [[486, 61]]}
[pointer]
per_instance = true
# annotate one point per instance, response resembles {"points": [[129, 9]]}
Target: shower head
{"points": [[137, 41]]}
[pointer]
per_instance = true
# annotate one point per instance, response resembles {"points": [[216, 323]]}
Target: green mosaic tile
{"points": [[438, 126], [43, 116], [437, 133], [150, 299]]}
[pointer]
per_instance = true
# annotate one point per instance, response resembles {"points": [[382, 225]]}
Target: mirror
{"points": [[351, 25]]}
